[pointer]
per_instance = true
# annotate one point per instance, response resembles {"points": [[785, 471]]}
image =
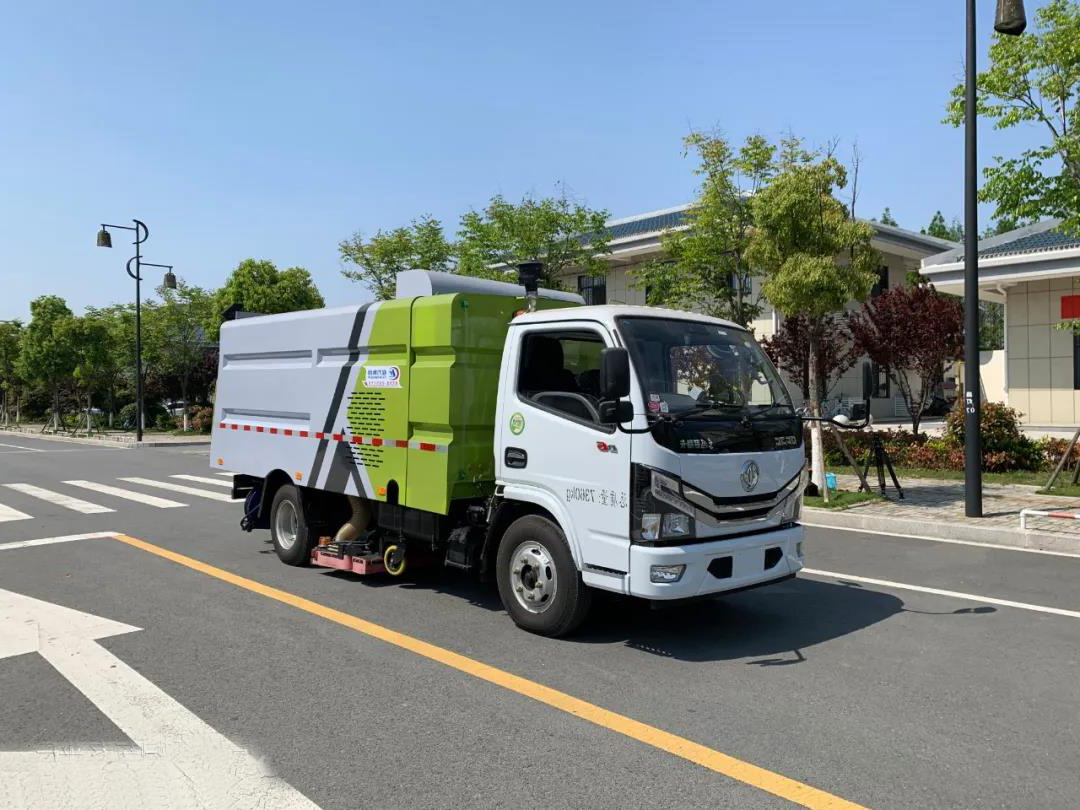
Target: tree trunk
{"points": [[56, 411], [89, 407], [184, 403], [817, 454]]}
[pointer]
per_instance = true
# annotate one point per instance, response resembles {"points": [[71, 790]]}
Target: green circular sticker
{"points": [[517, 423]]}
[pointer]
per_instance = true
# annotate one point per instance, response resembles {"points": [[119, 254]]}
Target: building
{"points": [[636, 240], [1035, 272]]}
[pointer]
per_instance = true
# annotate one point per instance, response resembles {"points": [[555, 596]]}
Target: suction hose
{"points": [[357, 523]]}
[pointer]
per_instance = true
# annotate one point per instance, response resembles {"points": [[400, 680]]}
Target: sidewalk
{"points": [[120, 439], [935, 508]]}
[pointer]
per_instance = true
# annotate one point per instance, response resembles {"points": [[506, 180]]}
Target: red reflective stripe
{"points": [[376, 441], [401, 443], [247, 427], [273, 430], [287, 431], [235, 427], [357, 440], [336, 437], [221, 425], [427, 446], [258, 428], [320, 435], [303, 434]]}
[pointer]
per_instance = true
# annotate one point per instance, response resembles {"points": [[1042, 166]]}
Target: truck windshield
{"points": [[703, 371]]}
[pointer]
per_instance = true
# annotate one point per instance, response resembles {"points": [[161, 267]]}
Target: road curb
{"points": [[1007, 538], [121, 444]]}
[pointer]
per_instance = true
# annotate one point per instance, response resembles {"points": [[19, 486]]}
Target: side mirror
{"points": [[867, 381], [614, 373], [616, 412]]}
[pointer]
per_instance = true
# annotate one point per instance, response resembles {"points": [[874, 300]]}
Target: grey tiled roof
{"points": [[650, 224], [1032, 243]]}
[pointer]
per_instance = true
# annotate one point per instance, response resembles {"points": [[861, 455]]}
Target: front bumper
{"points": [[749, 557]]}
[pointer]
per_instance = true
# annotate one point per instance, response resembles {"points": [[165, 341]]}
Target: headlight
{"points": [[676, 525], [658, 510]]}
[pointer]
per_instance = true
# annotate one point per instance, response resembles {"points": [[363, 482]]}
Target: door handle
{"points": [[516, 458]]}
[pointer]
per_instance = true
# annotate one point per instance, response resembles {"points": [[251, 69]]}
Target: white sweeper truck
{"points": [[517, 434]]}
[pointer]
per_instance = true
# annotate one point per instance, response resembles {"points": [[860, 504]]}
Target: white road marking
{"points": [[970, 597], [204, 479], [21, 447], [7, 513], [58, 498], [202, 493], [943, 540], [180, 760], [129, 494], [48, 541], [227, 475]]}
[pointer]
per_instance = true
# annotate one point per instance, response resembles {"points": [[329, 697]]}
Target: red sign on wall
{"points": [[1070, 306]]}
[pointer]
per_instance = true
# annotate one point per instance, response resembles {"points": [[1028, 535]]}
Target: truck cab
{"points": [[664, 445], [518, 435]]}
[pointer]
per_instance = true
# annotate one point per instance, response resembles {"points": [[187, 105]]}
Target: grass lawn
{"points": [[840, 500]]}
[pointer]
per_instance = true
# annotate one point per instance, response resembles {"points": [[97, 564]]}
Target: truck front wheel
{"points": [[289, 530], [539, 584]]}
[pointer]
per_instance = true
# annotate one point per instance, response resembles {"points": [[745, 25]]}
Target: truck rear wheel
{"points": [[539, 584], [289, 530]]}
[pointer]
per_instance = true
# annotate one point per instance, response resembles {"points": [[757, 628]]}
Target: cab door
{"points": [[553, 444]]}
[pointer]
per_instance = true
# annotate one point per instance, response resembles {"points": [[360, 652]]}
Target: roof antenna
{"points": [[529, 278]]}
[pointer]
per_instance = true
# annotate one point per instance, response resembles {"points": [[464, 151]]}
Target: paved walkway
{"points": [[114, 438], [938, 506]]}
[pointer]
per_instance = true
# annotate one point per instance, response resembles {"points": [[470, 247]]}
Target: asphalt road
{"points": [[875, 693]]}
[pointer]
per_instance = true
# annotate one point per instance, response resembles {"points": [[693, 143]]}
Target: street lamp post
{"points": [[1010, 20], [104, 239]]}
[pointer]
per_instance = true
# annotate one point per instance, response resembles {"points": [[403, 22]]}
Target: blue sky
{"points": [[275, 130]]}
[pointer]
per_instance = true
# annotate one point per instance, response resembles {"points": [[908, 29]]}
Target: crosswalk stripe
{"points": [[202, 493], [129, 494], [58, 498], [7, 513], [203, 479], [227, 475]]}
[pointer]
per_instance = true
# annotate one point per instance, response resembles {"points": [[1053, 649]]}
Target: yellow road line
{"points": [[704, 756]]}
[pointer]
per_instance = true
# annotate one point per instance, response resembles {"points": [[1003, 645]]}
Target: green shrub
{"points": [[202, 419]]}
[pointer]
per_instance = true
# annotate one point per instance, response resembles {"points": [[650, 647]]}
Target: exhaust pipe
{"points": [[529, 278]]}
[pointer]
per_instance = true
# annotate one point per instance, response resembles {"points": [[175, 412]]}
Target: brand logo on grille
{"points": [[750, 476]]}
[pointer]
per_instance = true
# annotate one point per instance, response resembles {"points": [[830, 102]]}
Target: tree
{"points": [[561, 234], [913, 332], [887, 218], [178, 335], [10, 335], [420, 246], [789, 349], [119, 320], [47, 350], [1034, 79], [94, 359], [954, 232], [258, 286], [704, 267], [801, 231]]}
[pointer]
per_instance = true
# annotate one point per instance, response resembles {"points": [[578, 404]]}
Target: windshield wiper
{"points": [[703, 409], [769, 408]]}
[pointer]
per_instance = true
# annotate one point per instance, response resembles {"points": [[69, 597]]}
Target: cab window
{"points": [[560, 371]]}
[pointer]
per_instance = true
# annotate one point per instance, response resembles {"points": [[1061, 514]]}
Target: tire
{"points": [[536, 549], [288, 529]]}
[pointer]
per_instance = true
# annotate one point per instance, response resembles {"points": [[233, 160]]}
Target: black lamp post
{"points": [[1010, 20], [104, 239]]}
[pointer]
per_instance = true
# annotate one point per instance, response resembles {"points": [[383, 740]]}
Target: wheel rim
{"points": [[286, 525], [533, 578]]}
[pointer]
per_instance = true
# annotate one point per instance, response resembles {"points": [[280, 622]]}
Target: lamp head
{"points": [[104, 238], [1010, 17], [170, 280]]}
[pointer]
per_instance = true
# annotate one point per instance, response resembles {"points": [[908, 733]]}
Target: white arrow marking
{"points": [[180, 761]]}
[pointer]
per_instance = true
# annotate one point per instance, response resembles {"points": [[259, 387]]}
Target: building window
{"points": [[882, 389], [882, 283], [1076, 362], [593, 289]]}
